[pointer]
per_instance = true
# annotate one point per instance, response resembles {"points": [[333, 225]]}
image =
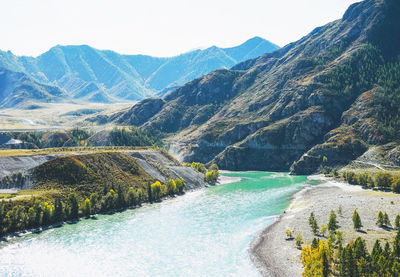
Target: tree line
{"points": [[18, 216], [380, 180]]}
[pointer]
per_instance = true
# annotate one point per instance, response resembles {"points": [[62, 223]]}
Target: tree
{"points": [[120, 198], [288, 233], [357, 221], [339, 238], [299, 240], [139, 194], [87, 207], [150, 193], [171, 187], [323, 229], [396, 245], [380, 222], [395, 187], [73, 206], [180, 185], [314, 243], [131, 197], [311, 218], [94, 199], [58, 210], [332, 224], [386, 220], [47, 213], [156, 190], [325, 265], [397, 222], [383, 179]]}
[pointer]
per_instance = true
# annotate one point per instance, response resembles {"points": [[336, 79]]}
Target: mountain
{"points": [[94, 75], [332, 94], [17, 90]]}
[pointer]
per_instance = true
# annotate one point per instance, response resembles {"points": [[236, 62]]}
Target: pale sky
{"points": [[158, 27]]}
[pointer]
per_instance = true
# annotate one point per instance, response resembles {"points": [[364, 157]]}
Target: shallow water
{"points": [[203, 233]]}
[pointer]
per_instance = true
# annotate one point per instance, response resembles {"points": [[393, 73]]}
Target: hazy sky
{"points": [[158, 27]]}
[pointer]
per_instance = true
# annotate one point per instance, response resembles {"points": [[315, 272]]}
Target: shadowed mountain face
{"points": [[104, 76], [313, 98]]}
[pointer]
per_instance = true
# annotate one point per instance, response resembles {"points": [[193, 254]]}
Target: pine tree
{"points": [[93, 202], [325, 264], [73, 206], [58, 210], [396, 245], [313, 223], [386, 220], [357, 221], [314, 243], [380, 222], [397, 222], [311, 219], [120, 198], [332, 225]]}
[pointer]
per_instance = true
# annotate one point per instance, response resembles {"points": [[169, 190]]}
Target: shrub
{"points": [[171, 187], [299, 240], [180, 185], [288, 233], [156, 190]]}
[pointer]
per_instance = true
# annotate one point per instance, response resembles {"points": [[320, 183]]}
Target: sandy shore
{"points": [[273, 255]]}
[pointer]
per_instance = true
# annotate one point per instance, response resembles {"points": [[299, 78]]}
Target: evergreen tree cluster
{"points": [[370, 69], [133, 136]]}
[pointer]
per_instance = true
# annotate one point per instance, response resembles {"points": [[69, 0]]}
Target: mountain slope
{"points": [[105, 76], [17, 90], [267, 113]]}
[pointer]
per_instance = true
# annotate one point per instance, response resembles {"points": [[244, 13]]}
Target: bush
{"points": [[299, 240], [212, 176], [171, 187], [180, 185], [156, 190]]}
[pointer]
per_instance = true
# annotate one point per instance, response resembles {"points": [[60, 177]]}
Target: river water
{"points": [[203, 233]]}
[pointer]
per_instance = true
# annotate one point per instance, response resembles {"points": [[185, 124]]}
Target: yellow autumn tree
{"points": [[316, 261]]}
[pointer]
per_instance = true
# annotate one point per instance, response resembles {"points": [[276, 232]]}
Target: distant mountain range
{"points": [[84, 73], [318, 102]]}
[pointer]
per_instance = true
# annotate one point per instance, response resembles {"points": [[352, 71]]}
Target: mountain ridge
{"points": [[93, 75]]}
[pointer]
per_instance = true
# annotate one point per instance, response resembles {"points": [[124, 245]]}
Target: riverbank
{"points": [[275, 256]]}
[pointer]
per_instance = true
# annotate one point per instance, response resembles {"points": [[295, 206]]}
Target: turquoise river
{"points": [[202, 233]]}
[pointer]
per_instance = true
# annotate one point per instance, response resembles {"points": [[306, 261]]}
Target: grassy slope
{"points": [[90, 173]]}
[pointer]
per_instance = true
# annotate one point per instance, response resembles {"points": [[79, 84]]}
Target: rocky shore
{"points": [[273, 255]]}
